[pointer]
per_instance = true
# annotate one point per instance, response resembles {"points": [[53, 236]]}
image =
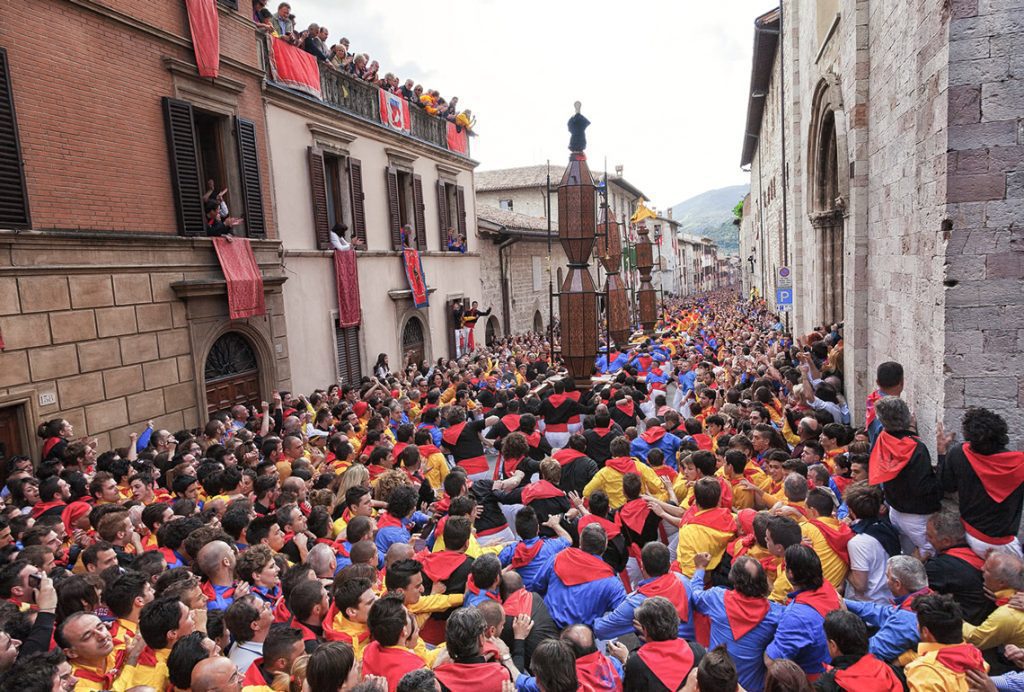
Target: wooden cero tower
{"points": [[609, 251], [577, 298], [645, 297]]}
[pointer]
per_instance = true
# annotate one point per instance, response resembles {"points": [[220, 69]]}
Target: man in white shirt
{"points": [[248, 619], [338, 241], [867, 580]]}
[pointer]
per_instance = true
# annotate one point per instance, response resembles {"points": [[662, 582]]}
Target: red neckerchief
{"points": [[908, 601], [254, 676], [440, 565], [429, 450], [518, 602], [703, 441], [595, 672], [744, 612], [967, 555], [375, 471], [611, 529], [665, 472], [557, 400], [171, 558], [838, 538], [601, 432], [397, 449], [541, 490], [148, 657], [533, 439], [716, 519], [889, 456], [443, 504], [634, 515], [741, 546], [333, 635], [670, 661], [868, 674], [623, 465], [472, 588], [385, 520], [573, 567], [41, 508], [49, 444], [669, 586], [105, 681], [842, 482], [281, 611], [510, 421], [389, 661], [869, 414], [824, 599], [652, 435], [626, 408], [509, 466], [471, 677], [566, 456], [960, 658], [452, 432], [1000, 474], [211, 593]]}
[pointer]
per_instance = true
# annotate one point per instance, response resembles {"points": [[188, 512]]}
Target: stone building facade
{"points": [[111, 301], [892, 134]]}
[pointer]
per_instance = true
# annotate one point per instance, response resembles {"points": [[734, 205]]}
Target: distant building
{"points": [[885, 155]]}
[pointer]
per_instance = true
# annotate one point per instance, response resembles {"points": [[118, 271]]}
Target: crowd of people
{"points": [[702, 516], [315, 41]]}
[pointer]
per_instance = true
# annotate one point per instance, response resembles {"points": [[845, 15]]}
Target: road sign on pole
{"points": [[785, 278], [784, 299]]}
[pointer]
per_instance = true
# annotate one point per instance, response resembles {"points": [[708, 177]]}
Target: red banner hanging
{"points": [[347, 276], [245, 283], [458, 141], [204, 24], [414, 273], [294, 67], [394, 111]]}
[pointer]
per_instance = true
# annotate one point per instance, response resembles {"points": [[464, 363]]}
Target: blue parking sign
{"points": [[784, 296]]}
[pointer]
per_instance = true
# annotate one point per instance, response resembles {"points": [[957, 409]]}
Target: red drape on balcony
{"points": [[245, 283], [348, 288], [294, 67], [394, 111], [205, 27], [414, 273], [458, 141]]}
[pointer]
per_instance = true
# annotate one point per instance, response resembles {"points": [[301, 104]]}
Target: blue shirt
{"points": [[669, 444], [800, 637], [748, 651], [897, 628], [390, 535], [221, 601], [582, 603], [619, 622], [531, 571], [528, 683], [475, 599], [1009, 682]]}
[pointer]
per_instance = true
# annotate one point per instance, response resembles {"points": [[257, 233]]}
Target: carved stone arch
{"points": [[492, 330], [406, 331], [262, 352], [828, 194], [538, 322]]}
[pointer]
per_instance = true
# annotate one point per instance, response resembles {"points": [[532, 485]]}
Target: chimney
{"points": [[618, 170], [670, 212]]}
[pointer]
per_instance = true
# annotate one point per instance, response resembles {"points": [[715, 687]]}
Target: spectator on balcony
{"points": [[338, 239], [455, 241], [217, 225], [340, 57], [212, 195], [371, 72], [407, 91], [465, 121], [284, 22], [429, 101], [313, 45], [452, 110], [417, 94], [261, 15], [357, 68], [390, 83]]}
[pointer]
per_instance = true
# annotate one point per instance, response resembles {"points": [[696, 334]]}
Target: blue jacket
{"points": [[897, 628], [528, 683], [800, 637], [748, 651], [669, 444], [582, 603], [435, 434], [531, 572], [389, 535], [619, 622]]}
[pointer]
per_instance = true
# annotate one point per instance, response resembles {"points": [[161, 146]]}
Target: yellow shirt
{"points": [[434, 603], [926, 674], [741, 497], [154, 676], [781, 588], [85, 675], [695, 538], [1003, 626], [357, 631], [832, 566], [610, 481], [436, 470], [126, 631], [473, 548], [683, 491]]}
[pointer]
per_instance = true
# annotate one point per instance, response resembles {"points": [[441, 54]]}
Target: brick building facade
{"points": [[886, 154], [111, 301]]}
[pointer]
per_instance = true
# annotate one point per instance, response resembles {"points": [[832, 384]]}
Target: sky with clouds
{"points": [[663, 83]]}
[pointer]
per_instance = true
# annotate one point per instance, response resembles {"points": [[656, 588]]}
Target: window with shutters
{"points": [[332, 202], [13, 192], [347, 344], [454, 216], [402, 207]]}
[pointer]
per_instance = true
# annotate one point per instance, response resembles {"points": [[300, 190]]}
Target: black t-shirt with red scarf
{"points": [[467, 445], [997, 516], [599, 441], [642, 677]]}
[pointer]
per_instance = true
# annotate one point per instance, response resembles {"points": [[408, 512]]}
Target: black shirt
{"points": [[491, 518], [639, 678], [996, 519], [576, 474], [827, 682], [598, 445], [915, 490], [543, 628], [468, 444], [949, 574]]}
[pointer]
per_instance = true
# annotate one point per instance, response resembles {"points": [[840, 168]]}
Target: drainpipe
{"points": [[506, 309]]}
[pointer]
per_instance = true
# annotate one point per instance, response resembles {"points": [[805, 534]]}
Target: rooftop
{"points": [[526, 177], [766, 41], [511, 221]]}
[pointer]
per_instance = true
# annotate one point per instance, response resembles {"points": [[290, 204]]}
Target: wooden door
{"points": [[226, 392]]}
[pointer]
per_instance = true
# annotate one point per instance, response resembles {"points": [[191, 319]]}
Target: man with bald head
{"points": [[397, 552], [516, 600], [216, 674], [239, 415], [807, 429], [595, 670], [216, 562], [321, 558], [89, 648]]}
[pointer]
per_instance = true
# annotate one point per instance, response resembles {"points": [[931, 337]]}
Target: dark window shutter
{"points": [[394, 212], [419, 213], [347, 343], [318, 186], [442, 213], [188, 190], [13, 192], [460, 214], [355, 189], [249, 161]]}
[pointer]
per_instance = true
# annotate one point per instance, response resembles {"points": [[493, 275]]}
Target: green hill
{"points": [[710, 214]]}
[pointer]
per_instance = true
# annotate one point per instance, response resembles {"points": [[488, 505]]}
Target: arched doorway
{"points": [[412, 341], [538, 322], [828, 203], [493, 331], [231, 373]]}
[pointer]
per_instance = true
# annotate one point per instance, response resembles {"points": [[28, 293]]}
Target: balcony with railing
{"points": [[357, 98]]}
